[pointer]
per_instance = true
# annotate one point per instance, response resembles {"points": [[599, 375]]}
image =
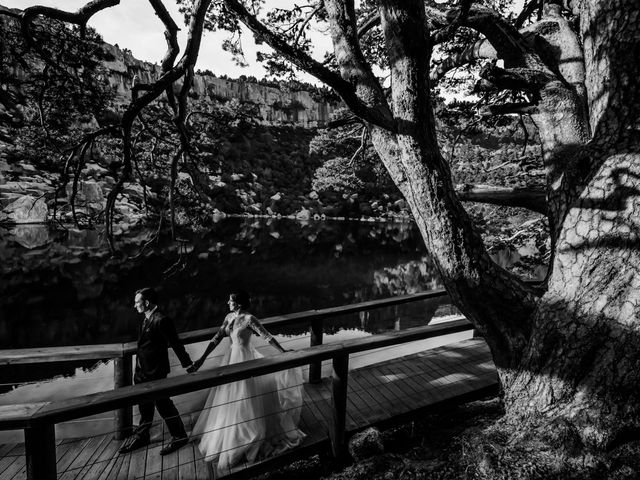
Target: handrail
{"points": [[69, 409], [118, 350]]}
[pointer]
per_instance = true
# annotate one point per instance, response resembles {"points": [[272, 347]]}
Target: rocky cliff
{"points": [[277, 106]]}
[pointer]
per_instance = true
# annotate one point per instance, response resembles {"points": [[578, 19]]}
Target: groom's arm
{"points": [[168, 331]]}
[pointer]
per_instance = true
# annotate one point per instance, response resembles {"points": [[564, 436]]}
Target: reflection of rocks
{"points": [[409, 277], [26, 209], [31, 236], [83, 238]]}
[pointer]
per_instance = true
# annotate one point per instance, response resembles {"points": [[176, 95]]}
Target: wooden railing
{"points": [[122, 353], [39, 420]]}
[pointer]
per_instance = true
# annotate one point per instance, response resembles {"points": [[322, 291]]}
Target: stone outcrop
{"points": [[25, 209], [277, 107]]}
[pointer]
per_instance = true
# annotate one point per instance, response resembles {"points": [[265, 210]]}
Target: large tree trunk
{"points": [[583, 360]]}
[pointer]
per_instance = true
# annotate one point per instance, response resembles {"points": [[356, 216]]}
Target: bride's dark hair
{"points": [[241, 297]]}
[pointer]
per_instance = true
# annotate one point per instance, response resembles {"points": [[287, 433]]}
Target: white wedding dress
{"points": [[249, 419]]}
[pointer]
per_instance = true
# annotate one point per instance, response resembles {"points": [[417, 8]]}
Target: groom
{"points": [[157, 333]]}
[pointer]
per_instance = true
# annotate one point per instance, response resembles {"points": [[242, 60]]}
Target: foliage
{"points": [[57, 102]]}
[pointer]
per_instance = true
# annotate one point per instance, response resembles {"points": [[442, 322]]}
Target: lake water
{"points": [[63, 288]]}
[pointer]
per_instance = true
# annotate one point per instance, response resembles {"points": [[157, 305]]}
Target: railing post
{"points": [[122, 377], [40, 452], [339, 401], [315, 368]]}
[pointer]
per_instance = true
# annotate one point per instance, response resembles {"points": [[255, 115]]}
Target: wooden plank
{"points": [[59, 354], [386, 396], [407, 396], [5, 462], [186, 464], [321, 405], [152, 468], [17, 466], [169, 464], [104, 461], [5, 449], [202, 467], [81, 459], [17, 416], [122, 473], [392, 385], [137, 464]]}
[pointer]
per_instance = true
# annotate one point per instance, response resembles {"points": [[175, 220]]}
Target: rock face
{"points": [[277, 107], [26, 209]]}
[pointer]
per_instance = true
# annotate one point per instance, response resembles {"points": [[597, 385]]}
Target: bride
{"points": [[253, 418]]}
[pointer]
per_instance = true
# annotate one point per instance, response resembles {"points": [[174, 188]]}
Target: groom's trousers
{"points": [[167, 411]]}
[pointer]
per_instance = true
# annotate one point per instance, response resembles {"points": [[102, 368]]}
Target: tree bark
{"points": [[582, 363]]}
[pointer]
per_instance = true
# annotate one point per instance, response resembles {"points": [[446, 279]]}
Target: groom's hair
{"points": [[148, 294], [241, 297]]}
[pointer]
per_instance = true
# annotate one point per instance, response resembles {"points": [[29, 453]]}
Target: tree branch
{"points": [[306, 21], [481, 49], [524, 197], [522, 108], [80, 18], [345, 88], [524, 79]]}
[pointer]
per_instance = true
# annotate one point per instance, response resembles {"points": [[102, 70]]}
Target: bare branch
{"points": [[524, 197], [524, 79], [306, 21], [527, 11], [460, 17], [346, 89], [521, 108], [80, 18], [363, 142], [481, 49]]}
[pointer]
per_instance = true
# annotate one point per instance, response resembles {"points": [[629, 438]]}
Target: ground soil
{"points": [[430, 447]]}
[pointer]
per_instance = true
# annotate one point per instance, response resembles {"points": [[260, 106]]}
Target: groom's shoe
{"points": [[174, 445], [134, 442]]}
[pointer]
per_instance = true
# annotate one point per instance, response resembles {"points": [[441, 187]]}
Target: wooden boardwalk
{"points": [[378, 394]]}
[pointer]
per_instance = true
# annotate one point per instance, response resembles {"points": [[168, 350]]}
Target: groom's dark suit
{"points": [[157, 333]]}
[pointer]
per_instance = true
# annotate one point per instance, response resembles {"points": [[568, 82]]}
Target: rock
{"points": [[365, 444], [401, 204], [26, 209], [92, 192], [303, 214]]}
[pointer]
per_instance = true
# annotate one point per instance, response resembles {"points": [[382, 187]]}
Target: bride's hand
{"points": [[194, 367]]}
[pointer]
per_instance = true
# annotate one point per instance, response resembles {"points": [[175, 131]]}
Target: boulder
{"points": [[92, 192], [365, 444], [303, 214], [26, 209]]}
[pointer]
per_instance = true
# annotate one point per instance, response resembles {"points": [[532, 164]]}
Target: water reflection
{"points": [[71, 292]]}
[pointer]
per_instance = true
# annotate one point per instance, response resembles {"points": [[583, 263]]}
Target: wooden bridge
{"points": [[334, 408]]}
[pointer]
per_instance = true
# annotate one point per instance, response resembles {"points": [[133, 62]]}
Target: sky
{"points": [[134, 25]]}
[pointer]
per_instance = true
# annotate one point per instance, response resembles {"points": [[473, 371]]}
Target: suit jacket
{"points": [[157, 333]]}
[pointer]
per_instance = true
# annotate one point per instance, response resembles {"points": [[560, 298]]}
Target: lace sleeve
{"points": [[258, 329], [221, 333]]}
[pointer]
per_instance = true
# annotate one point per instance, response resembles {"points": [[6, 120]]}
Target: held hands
{"points": [[195, 366]]}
